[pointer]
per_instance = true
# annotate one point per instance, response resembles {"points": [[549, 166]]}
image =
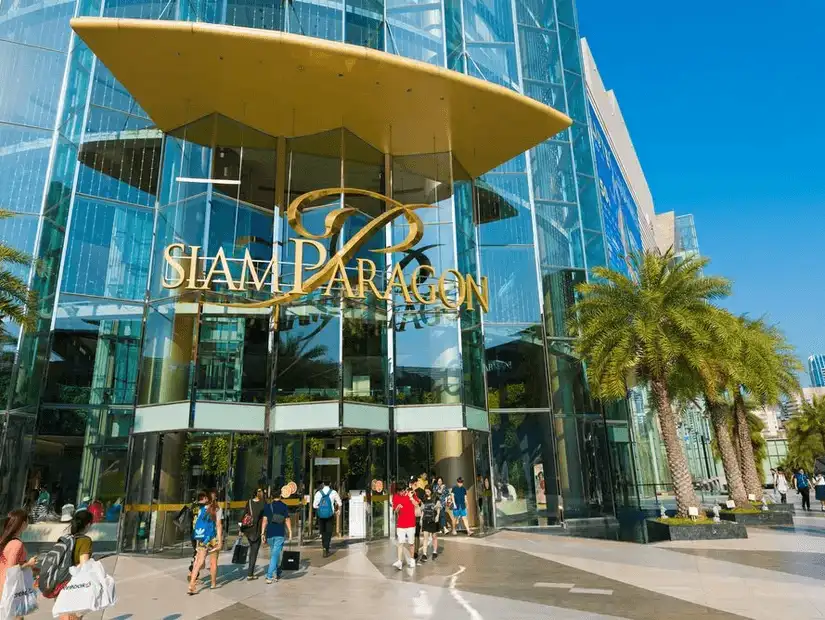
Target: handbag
{"points": [[239, 552], [291, 560], [247, 522], [183, 520], [19, 595]]}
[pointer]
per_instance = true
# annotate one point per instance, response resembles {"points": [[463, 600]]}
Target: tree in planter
{"points": [[766, 371], [648, 327]]}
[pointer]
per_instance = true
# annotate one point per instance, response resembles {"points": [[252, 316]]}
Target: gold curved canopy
{"points": [[290, 85]]}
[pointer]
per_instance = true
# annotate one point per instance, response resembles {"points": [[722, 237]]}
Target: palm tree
{"points": [[806, 434], [766, 371], [649, 327], [17, 302]]}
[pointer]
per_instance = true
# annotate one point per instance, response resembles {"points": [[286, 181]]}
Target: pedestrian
{"points": [[80, 524], [326, 504], [208, 534], [819, 490], [97, 509], [12, 551], [186, 517], [803, 487], [780, 484], [459, 495], [442, 492], [251, 528], [275, 524], [403, 504], [419, 487], [430, 519]]}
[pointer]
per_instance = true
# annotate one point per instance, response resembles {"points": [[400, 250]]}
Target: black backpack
{"points": [[54, 568]]}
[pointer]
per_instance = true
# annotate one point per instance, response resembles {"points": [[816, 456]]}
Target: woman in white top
{"points": [[780, 485], [819, 490]]}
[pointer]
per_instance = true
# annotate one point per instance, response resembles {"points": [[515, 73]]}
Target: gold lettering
{"points": [[442, 289], [367, 282], [173, 262], [339, 274], [193, 266], [398, 274], [220, 266], [298, 286], [483, 293], [249, 267], [416, 276]]}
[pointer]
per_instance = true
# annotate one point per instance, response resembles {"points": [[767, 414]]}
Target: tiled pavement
{"points": [[510, 575]]}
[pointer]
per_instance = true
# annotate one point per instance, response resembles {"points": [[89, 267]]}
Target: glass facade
{"points": [[137, 395]]}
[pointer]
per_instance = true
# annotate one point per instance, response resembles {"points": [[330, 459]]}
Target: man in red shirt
{"points": [[403, 503]]}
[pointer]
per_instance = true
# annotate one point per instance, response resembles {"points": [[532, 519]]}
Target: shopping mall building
{"points": [[304, 240]]}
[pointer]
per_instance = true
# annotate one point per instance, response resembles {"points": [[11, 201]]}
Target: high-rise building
{"points": [[233, 293], [816, 370]]}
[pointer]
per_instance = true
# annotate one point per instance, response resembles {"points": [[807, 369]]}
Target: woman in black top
{"points": [[255, 510]]}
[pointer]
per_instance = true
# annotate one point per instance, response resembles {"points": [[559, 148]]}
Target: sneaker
{"points": [[435, 556], [252, 578], [411, 563], [422, 559], [398, 565], [268, 581]]}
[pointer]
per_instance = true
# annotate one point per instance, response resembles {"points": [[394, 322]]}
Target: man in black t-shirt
{"points": [[255, 510]]}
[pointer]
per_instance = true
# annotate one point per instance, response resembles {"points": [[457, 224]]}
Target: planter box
{"points": [[782, 508], [657, 531], [764, 518]]}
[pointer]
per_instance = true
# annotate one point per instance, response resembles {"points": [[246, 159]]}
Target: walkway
{"points": [[510, 575]]}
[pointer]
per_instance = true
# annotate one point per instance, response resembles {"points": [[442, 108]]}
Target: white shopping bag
{"points": [[19, 595], [107, 582], [83, 593]]}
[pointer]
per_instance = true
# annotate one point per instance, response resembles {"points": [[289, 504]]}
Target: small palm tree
{"points": [[650, 327], [806, 434], [767, 371], [17, 302]]}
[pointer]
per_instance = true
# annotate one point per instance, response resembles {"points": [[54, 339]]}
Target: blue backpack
{"points": [[205, 528], [325, 510]]}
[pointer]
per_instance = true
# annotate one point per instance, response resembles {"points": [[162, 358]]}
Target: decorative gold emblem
{"points": [[451, 288]]}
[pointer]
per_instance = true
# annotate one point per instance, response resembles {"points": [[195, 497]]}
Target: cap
{"points": [[460, 479], [66, 513]]}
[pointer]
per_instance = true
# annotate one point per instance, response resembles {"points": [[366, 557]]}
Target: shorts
{"points": [[210, 546], [405, 535], [460, 512]]}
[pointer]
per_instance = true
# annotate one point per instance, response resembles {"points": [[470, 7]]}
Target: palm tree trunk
{"points": [[747, 462], [736, 485], [677, 462]]}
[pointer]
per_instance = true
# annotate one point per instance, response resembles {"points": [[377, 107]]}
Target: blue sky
{"points": [[724, 102]]}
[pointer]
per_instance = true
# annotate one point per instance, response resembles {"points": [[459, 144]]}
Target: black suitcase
{"points": [[291, 560], [240, 554]]}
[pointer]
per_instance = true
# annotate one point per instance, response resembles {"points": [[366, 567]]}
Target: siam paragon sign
{"points": [[451, 288]]}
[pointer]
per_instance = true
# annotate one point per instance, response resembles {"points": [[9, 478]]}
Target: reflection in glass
{"points": [[515, 367], [168, 349], [232, 359], [524, 469], [308, 354]]}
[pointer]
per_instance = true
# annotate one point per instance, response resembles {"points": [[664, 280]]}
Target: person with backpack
{"points": [[208, 535], [12, 551], [275, 526], [325, 503], [251, 528], [73, 549], [185, 522], [803, 486], [430, 524]]}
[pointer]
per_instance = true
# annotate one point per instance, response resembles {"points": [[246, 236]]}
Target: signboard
{"points": [[186, 268]]}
